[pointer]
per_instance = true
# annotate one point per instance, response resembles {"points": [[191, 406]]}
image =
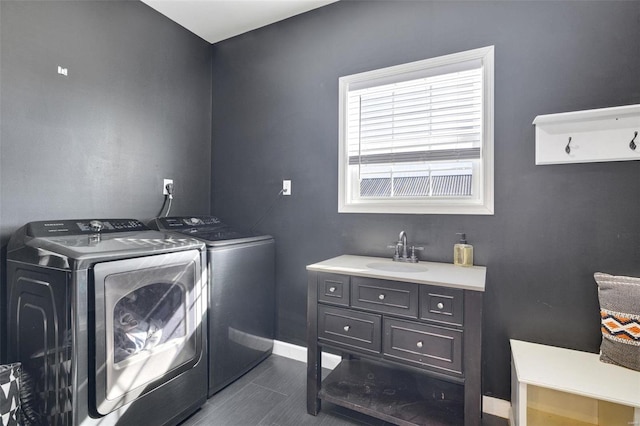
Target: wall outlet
{"points": [[286, 187], [164, 186]]}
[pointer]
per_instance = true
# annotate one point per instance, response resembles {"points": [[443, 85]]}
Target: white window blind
{"points": [[436, 118], [418, 132]]}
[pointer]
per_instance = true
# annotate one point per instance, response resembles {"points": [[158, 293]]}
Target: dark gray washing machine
{"points": [[241, 279], [108, 320]]}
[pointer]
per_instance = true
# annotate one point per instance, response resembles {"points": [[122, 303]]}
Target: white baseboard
{"points": [[494, 406], [299, 353]]}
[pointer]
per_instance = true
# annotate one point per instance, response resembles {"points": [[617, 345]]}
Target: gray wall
{"points": [[275, 100], [134, 109]]}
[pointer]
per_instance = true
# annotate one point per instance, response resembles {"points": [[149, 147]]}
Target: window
{"points": [[418, 137]]}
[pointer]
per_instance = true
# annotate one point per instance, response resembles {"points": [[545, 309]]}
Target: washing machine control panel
{"points": [[182, 223], [83, 226], [208, 228]]}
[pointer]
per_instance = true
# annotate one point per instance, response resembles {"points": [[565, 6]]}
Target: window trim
{"points": [[484, 204]]}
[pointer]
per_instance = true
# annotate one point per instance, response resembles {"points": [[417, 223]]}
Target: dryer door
{"points": [[148, 314]]}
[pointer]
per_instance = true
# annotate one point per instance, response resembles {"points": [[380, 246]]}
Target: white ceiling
{"points": [[216, 20]]}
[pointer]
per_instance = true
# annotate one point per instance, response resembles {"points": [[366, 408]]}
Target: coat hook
{"points": [[632, 144], [567, 148]]}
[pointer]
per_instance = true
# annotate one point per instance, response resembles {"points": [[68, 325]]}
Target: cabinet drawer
{"points": [[422, 344], [333, 288], [389, 297], [442, 304], [355, 329]]}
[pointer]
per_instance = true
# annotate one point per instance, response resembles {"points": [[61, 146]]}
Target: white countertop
{"points": [[435, 273]]}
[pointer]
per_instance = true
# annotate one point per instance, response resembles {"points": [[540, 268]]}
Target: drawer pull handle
{"points": [[381, 297], [419, 344], [440, 305], [332, 289], [346, 327]]}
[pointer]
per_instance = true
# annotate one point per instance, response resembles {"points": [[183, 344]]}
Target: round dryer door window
{"points": [[148, 312]]}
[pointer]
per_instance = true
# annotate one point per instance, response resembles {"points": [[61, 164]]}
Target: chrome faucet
{"points": [[402, 240], [401, 254]]}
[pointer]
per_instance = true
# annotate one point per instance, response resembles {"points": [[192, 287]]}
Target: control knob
{"points": [[193, 221], [96, 226]]}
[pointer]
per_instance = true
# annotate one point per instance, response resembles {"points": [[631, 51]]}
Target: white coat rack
{"points": [[606, 134]]}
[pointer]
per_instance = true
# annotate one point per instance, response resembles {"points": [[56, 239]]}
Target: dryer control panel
{"points": [[83, 226]]}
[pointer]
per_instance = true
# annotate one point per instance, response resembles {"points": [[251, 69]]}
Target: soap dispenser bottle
{"points": [[463, 252]]}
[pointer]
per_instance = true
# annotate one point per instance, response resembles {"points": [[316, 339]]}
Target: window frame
{"points": [[481, 205]]}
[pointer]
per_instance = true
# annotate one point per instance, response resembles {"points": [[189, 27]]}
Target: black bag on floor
{"points": [[10, 394]]}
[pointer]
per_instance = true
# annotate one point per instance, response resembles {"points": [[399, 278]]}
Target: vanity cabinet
{"points": [[410, 341]]}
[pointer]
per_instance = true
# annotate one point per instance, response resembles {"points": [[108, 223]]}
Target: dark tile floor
{"points": [[274, 394]]}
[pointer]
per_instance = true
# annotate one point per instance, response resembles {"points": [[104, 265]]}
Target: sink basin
{"points": [[397, 267]]}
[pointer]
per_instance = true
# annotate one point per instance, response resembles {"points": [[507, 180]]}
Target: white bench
{"points": [[572, 372]]}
